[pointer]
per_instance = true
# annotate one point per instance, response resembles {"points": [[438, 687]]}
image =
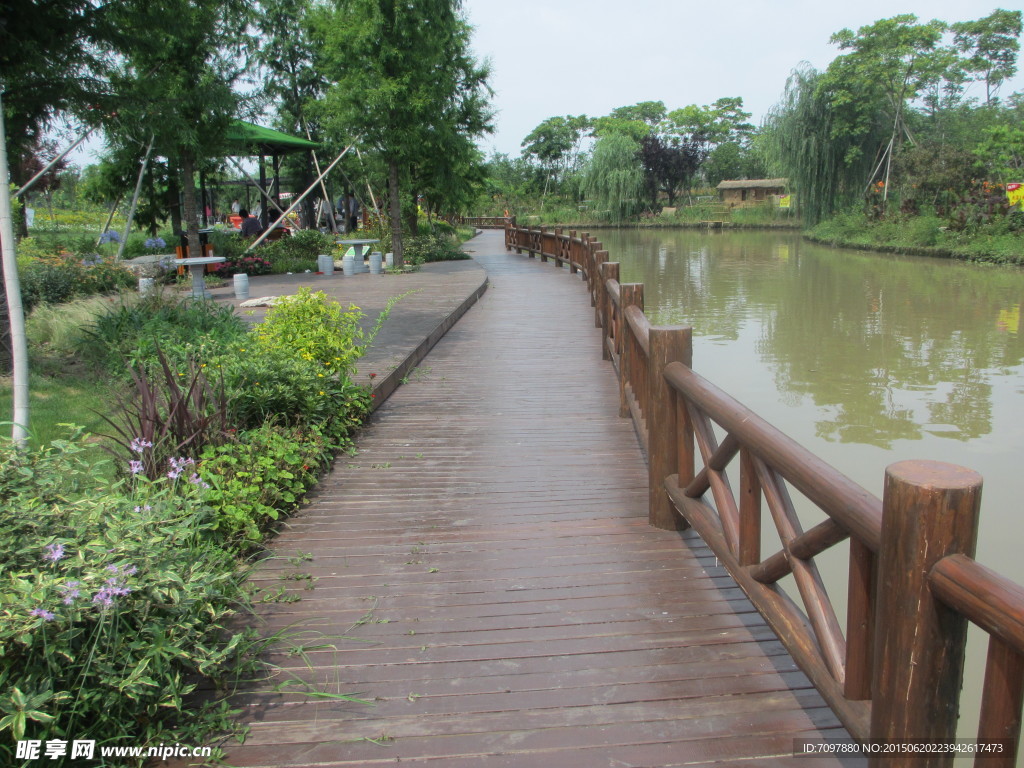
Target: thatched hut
{"points": [[750, 191]]}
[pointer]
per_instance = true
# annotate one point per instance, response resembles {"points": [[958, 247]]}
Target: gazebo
{"points": [[250, 140]]}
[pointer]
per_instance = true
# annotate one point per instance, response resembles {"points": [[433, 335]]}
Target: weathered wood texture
{"points": [[921, 567], [514, 607]]}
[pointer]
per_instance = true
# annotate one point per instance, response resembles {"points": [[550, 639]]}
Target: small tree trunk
{"points": [[190, 212], [412, 216], [395, 208]]}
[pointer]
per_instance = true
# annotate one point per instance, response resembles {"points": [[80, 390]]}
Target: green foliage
{"points": [[614, 177], [58, 279], [1002, 151], [313, 327], [133, 330], [279, 386], [296, 253], [263, 473], [806, 142], [433, 247], [407, 84], [113, 605], [990, 46], [995, 238]]}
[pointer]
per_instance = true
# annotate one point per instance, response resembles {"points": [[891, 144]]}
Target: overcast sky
{"points": [[562, 57]]}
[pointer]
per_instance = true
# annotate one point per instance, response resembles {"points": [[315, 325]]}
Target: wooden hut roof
{"points": [[753, 184]]}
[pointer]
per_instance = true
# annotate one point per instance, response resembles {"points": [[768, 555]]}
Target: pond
{"points": [[863, 358]]}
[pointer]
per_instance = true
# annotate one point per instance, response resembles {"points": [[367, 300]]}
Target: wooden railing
{"points": [[483, 222], [895, 675]]}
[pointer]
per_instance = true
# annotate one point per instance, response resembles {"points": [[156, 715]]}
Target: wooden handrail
{"points": [[988, 599], [913, 582], [854, 508]]}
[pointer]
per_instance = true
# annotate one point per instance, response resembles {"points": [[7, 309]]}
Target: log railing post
{"points": [[631, 294], [597, 294], [543, 256], [609, 271], [929, 511], [667, 345]]}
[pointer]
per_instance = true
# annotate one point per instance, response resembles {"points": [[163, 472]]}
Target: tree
{"points": [[990, 45], [888, 65], [614, 178], [635, 121], [807, 138], [174, 82], [669, 165], [556, 144], [48, 63], [286, 55], [404, 83]]}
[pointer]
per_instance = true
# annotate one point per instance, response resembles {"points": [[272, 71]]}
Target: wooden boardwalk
{"points": [[504, 603]]}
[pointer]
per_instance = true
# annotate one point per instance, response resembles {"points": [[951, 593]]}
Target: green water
{"points": [[864, 358]]}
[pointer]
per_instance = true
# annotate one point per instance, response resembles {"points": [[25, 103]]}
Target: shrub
{"points": [[432, 247], [58, 279], [262, 474], [133, 330], [298, 252], [113, 606], [276, 385], [314, 327], [244, 265], [168, 414]]}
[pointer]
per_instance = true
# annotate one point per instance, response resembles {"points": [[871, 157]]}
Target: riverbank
{"points": [[995, 242]]}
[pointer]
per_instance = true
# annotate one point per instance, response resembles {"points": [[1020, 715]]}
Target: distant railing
{"points": [[482, 222], [913, 584]]}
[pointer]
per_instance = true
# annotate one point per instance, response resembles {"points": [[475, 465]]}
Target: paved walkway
{"points": [[482, 574]]}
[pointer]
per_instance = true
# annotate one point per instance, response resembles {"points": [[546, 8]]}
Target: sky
{"points": [[571, 57]]}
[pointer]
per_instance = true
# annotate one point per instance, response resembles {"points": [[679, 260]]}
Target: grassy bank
{"points": [[997, 241]]}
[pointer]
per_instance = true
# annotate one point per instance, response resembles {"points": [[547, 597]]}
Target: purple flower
{"points": [[146, 508], [178, 466], [139, 444], [44, 615], [135, 467], [54, 552], [69, 591], [195, 479]]}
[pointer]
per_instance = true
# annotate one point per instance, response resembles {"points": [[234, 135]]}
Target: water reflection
{"points": [[885, 347]]}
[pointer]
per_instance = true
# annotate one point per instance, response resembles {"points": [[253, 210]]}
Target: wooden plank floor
{"points": [[504, 603]]}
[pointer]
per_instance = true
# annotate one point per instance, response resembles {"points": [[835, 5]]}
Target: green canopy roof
{"points": [[249, 139]]}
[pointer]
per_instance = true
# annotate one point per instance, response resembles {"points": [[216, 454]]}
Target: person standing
{"points": [[352, 209], [340, 208], [236, 207]]}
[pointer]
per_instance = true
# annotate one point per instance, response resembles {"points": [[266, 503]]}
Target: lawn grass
{"points": [[57, 401]]}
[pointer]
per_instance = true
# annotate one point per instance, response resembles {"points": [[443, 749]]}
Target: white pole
{"points": [[299, 199], [323, 187], [135, 200], [15, 311], [61, 156], [255, 183]]}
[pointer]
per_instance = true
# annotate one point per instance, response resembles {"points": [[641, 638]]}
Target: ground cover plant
{"points": [[119, 576]]}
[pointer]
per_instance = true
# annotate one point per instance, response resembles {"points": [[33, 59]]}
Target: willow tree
{"points": [[404, 84], [614, 177], [810, 138]]}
